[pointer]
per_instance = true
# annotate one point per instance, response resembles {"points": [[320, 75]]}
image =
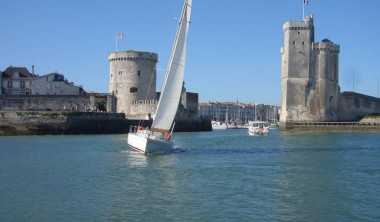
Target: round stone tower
{"points": [[132, 77]]}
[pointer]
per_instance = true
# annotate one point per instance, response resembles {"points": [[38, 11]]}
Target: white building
{"points": [[54, 84], [236, 112], [16, 81], [19, 81]]}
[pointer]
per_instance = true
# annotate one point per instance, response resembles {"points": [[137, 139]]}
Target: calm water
{"points": [[212, 176]]}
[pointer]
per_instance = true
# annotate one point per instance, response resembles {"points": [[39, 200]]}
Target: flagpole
{"points": [[116, 41], [119, 35], [303, 10]]}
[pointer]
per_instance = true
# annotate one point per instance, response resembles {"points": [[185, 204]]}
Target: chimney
{"points": [[33, 69]]}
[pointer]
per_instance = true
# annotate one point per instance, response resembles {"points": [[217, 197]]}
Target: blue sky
{"points": [[233, 46]]}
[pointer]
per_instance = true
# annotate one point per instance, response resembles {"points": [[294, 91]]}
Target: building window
{"points": [[134, 90], [120, 73], [294, 42], [22, 84], [138, 73], [10, 84]]}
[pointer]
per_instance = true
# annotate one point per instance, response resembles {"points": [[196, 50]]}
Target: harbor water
{"points": [[223, 175]]}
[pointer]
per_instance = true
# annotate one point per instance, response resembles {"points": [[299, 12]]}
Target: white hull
{"points": [[257, 132], [258, 128], [218, 125], [148, 145]]}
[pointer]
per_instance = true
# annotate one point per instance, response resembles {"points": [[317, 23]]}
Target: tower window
{"points": [[303, 43], [138, 73], [134, 90], [294, 42]]}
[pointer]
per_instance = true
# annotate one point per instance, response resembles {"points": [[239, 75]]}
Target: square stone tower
{"points": [[309, 82]]}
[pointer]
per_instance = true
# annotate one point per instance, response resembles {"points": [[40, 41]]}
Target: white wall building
{"points": [[54, 84], [16, 81]]}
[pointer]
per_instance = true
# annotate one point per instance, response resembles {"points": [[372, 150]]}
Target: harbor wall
{"points": [[61, 123], [52, 114], [354, 106], [74, 123], [367, 126], [54, 102]]}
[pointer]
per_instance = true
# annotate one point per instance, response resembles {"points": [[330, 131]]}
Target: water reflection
{"points": [[136, 160], [140, 160]]}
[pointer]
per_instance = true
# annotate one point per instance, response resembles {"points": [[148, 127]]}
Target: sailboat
{"points": [[157, 139]]}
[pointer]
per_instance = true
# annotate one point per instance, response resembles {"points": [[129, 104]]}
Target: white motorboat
{"points": [[257, 128]]}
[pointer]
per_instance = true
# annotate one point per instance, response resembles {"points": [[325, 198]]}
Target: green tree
{"points": [[101, 105]]}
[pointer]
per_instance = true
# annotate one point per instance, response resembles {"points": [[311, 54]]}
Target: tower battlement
{"points": [[326, 45], [131, 55], [296, 26], [306, 24]]}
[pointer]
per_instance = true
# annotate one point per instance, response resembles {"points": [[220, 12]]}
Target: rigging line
{"points": [[146, 96], [169, 38]]}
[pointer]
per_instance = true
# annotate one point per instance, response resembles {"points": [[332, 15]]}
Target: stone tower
{"points": [[132, 78], [310, 88]]}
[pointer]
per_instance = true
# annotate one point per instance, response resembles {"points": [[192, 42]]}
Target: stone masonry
{"points": [[132, 78], [310, 80]]}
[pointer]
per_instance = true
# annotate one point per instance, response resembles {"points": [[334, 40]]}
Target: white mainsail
{"points": [[157, 139], [172, 86]]}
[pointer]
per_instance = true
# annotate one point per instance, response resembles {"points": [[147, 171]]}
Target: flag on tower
{"points": [[119, 35], [306, 2]]}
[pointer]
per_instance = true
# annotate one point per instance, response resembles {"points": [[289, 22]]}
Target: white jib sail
{"points": [[172, 86]]}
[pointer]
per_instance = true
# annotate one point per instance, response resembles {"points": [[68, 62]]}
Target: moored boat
{"points": [[216, 125]]}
